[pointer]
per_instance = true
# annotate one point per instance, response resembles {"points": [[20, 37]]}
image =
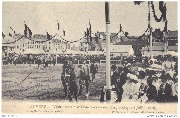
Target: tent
{"points": [[33, 51]]}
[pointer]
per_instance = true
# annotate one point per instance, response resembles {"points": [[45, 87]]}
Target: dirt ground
{"points": [[30, 83]]}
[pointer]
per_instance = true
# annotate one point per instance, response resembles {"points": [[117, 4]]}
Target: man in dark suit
{"points": [[151, 90], [118, 79]]}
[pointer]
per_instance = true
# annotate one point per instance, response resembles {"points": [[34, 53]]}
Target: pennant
{"points": [[120, 28], [85, 34], [25, 30], [3, 35], [29, 33], [13, 30], [58, 26], [10, 34], [48, 36], [90, 29]]}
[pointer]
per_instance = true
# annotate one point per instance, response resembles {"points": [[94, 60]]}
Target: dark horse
{"points": [[72, 81]]}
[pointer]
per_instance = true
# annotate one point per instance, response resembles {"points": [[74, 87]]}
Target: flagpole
{"points": [[108, 77], [57, 33], [149, 22]]}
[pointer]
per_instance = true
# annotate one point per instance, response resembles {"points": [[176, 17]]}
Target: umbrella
{"points": [[133, 78]]}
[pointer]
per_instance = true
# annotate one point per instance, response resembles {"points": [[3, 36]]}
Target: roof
{"points": [[113, 35], [132, 41], [172, 34], [56, 41], [120, 48], [39, 36], [102, 34], [125, 39], [34, 51], [154, 48], [8, 39]]}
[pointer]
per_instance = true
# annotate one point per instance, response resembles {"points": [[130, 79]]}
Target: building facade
{"points": [[162, 43], [38, 44]]}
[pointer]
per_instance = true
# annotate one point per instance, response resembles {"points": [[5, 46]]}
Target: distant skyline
{"points": [[74, 17]]}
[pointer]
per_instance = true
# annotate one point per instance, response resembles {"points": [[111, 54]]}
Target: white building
{"points": [[38, 44]]}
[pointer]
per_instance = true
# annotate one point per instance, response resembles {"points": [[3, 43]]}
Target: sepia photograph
{"points": [[89, 57]]}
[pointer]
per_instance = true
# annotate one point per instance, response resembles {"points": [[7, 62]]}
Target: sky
{"points": [[74, 17]]}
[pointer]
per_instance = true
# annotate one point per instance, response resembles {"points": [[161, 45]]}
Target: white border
{"points": [[80, 115]]}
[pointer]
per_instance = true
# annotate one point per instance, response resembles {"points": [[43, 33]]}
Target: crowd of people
{"points": [[134, 78], [49, 59], [146, 84]]}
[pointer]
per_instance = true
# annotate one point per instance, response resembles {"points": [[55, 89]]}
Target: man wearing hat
{"points": [[63, 75], [151, 92], [118, 79]]}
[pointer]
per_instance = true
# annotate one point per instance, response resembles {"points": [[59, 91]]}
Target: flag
{"points": [[13, 30], [25, 30], [48, 36], [85, 34], [161, 6], [90, 29], [58, 26], [10, 34], [138, 2], [107, 12], [3, 35], [120, 28], [29, 32], [89, 26], [63, 33]]}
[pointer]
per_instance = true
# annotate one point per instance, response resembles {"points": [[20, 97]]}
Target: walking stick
{"points": [[25, 78]]}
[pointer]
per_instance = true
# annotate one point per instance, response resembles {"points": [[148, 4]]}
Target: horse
{"points": [[83, 74], [72, 79]]}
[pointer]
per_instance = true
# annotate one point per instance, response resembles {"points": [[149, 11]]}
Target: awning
{"points": [[172, 53], [33, 51]]}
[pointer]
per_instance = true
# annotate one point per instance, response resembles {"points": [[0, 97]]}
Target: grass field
{"points": [[41, 84]]}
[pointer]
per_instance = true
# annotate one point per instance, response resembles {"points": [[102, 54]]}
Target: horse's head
{"points": [[78, 71]]}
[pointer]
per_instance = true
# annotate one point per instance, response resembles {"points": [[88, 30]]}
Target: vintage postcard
{"points": [[85, 57]]}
